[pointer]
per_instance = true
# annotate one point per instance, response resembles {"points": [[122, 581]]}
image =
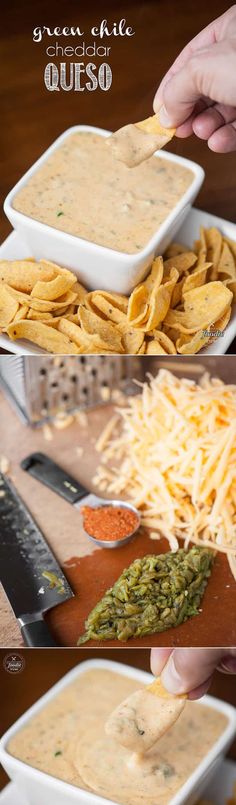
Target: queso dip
{"points": [[83, 190], [67, 740]]}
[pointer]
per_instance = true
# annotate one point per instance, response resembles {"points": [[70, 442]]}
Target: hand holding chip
{"points": [[187, 671], [198, 93]]}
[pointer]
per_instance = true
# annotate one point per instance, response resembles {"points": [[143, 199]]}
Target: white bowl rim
{"points": [[73, 240], [136, 674]]}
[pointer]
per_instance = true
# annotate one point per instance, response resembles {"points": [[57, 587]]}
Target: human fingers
{"points": [[187, 670], [228, 662], [223, 140], [158, 659], [210, 119], [209, 74], [186, 128], [214, 32]]}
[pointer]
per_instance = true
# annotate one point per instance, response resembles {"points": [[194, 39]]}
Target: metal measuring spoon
{"points": [[51, 474]]}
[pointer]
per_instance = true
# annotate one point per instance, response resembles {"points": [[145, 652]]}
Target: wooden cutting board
{"points": [[90, 569]]}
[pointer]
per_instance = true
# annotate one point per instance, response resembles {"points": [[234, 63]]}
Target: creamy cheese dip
{"points": [[67, 740], [83, 190]]}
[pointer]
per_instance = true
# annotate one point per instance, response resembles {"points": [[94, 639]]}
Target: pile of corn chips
{"points": [[182, 305]]}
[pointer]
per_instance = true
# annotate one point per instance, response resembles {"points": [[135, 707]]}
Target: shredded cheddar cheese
{"points": [[177, 460]]}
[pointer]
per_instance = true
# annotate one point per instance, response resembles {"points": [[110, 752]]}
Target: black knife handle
{"points": [[45, 470], [37, 635]]}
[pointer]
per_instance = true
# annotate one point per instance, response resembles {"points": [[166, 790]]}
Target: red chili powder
{"points": [[109, 523]]}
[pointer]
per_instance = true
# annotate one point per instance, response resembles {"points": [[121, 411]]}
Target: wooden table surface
{"points": [[33, 117], [46, 667], [90, 569]]}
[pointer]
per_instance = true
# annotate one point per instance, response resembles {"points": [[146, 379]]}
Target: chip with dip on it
{"points": [[136, 142], [141, 719]]}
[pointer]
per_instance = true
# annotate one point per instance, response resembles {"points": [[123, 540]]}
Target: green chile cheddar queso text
{"points": [[83, 190], [67, 740]]}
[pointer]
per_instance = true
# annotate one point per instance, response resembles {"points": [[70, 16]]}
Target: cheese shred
{"points": [[175, 458]]}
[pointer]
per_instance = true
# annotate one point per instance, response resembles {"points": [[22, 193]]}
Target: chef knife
{"points": [[30, 574]]}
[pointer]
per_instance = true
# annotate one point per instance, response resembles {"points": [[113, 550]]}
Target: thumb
{"points": [[188, 669], [209, 74]]}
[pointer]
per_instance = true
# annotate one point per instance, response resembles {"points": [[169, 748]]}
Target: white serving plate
{"points": [[218, 790], [15, 248], [94, 264], [39, 787]]}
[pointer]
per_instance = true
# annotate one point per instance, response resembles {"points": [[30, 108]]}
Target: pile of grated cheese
{"points": [[175, 458]]}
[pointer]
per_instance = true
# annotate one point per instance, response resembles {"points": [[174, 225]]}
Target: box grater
{"points": [[39, 387]]}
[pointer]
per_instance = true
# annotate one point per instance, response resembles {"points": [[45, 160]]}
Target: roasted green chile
{"points": [[151, 595]]}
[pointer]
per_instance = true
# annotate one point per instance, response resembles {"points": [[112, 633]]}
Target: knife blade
{"points": [[30, 574]]}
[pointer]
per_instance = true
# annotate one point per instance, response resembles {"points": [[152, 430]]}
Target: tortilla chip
{"points": [[139, 301], [197, 278], [165, 341], [201, 248], [74, 332], [190, 345], [222, 322], [183, 262], [158, 306], [231, 285], [36, 315], [132, 341], [8, 307], [154, 279], [226, 265], [152, 125], [42, 305], [142, 349], [106, 307], [54, 289], [45, 337], [22, 313], [202, 307], [158, 689], [138, 306], [159, 302], [177, 292], [174, 249], [154, 347], [117, 300], [23, 274], [231, 244], [107, 331], [80, 291], [214, 245]]}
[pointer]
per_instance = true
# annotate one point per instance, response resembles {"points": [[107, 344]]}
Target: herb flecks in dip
{"points": [[83, 190], [67, 740]]}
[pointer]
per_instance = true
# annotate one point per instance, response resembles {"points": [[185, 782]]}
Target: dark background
{"points": [[44, 667]]}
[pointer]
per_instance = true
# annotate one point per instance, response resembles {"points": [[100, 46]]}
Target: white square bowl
{"points": [[39, 787], [98, 266]]}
